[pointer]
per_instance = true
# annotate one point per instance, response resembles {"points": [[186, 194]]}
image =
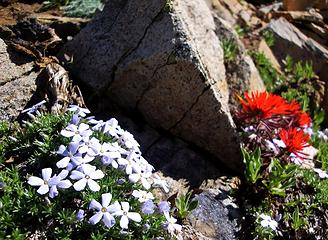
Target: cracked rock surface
{"points": [[17, 82], [164, 63]]}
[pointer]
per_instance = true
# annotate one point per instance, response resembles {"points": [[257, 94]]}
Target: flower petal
{"points": [[87, 168], [96, 174], [108, 220], [53, 192], [95, 205], [46, 173], [64, 184], [96, 218], [93, 185], [125, 206], [115, 208], [63, 162], [35, 181], [134, 216], [76, 175], [124, 222], [134, 177], [66, 133], [43, 189], [80, 185], [106, 198]]}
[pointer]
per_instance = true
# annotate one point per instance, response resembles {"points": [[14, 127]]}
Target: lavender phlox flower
{"points": [[140, 175], [34, 107], [111, 128], [143, 163], [82, 112], [108, 153], [62, 183], [49, 184], [145, 227], [70, 154], [170, 225], [102, 211], [323, 136], [87, 175], [159, 182], [75, 119], [128, 162], [249, 129], [164, 206], [142, 196], [267, 221], [308, 130], [87, 145], [97, 124], [321, 173], [123, 211], [127, 140], [275, 145], [148, 207], [77, 132], [80, 215]]}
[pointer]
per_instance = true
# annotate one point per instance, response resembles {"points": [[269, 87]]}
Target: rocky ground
{"points": [[161, 70]]}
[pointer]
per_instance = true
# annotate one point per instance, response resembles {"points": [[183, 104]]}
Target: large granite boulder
{"points": [[162, 60], [17, 82]]}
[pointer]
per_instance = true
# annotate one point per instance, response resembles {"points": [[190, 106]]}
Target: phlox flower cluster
{"points": [[83, 163]]}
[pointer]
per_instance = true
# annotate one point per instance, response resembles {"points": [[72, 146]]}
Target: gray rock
{"points": [[291, 41], [212, 218], [158, 59], [17, 82]]}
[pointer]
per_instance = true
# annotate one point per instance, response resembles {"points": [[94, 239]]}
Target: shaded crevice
{"points": [[189, 109], [15, 78]]}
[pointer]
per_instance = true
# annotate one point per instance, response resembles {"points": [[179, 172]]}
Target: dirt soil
{"points": [[12, 11]]}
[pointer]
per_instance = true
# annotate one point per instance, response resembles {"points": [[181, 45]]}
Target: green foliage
{"points": [[168, 6], [270, 76], [281, 177], [297, 220], [253, 164], [184, 205], [323, 155], [53, 4], [230, 49], [268, 37], [82, 8], [240, 30]]}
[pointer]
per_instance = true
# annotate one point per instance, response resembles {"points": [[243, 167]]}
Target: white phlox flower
{"points": [[267, 221], [82, 112], [86, 176], [159, 182], [111, 128], [140, 175], [170, 225], [102, 211], [76, 132], [128, 141], [49, 184], [142, 196], [70, 154], [124, 213], [321, 173]]}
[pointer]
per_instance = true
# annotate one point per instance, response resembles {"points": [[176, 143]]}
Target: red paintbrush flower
{"points": [[295, 140], [261, 105]]}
